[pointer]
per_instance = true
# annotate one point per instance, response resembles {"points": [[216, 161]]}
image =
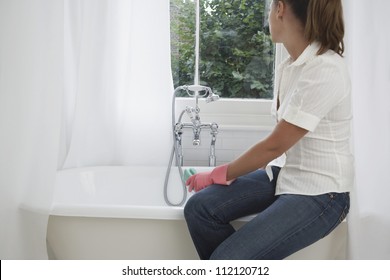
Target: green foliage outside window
{"points": [[236, 52]]}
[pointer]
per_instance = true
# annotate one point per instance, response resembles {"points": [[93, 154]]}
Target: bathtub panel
{"points": [[85, 238], [72, 238]]}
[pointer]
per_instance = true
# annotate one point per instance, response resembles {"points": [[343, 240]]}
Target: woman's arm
{"points": [[282, 138]]}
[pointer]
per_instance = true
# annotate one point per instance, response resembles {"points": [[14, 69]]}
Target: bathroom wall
{"points": [[231, 142]]}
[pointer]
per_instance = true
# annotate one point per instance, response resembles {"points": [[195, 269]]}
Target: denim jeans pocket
{"points": [[324, 201], [338, 211], [345, 203]]}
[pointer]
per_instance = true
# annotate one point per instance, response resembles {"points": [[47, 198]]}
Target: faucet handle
{"points": [[178, 128], [213, 128], [196, 142]]}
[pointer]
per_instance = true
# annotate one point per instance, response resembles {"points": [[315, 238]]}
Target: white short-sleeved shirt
{"points": [[314, 93]]}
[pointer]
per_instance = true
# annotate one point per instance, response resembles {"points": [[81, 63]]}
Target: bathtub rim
{"points": [[164, 212]]}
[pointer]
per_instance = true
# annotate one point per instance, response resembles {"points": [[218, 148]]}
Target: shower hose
{"points": [[174, 154]]}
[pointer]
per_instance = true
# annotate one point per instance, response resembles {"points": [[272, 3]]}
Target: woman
{"points": [[304, 200]]}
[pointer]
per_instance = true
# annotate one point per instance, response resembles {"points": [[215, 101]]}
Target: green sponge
{"points": [[188, 173]]}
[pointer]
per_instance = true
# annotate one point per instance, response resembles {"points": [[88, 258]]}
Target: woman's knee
{"points": [[189, 207], [193, 205], [200, 204]]}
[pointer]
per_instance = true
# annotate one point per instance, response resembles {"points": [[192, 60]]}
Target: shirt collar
{"points": [[308, 54]]}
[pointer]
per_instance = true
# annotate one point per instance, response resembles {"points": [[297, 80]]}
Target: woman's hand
{"points": [[202, 180]]}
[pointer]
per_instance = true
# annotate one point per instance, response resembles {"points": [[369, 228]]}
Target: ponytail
{"points": [[325, 24]]}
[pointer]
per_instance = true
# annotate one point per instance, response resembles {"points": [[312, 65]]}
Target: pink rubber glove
{"points": [[201, 180]]}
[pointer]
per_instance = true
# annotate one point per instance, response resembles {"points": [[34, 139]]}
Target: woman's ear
{"points": [[280, 9]]}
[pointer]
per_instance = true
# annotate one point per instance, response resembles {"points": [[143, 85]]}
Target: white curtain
{"points": [[118, 83], [368, 43], [31, 88], [82, 82]]}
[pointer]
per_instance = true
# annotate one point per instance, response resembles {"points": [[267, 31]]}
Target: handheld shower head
{"points": [[212, 97]]}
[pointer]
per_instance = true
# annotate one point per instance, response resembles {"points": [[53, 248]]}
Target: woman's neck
{"points": [[295, 49]]}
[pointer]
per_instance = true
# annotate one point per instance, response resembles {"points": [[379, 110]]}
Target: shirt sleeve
{"points": [[320, 88]]}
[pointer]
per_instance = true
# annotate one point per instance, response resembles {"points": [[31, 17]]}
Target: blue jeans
{"points": [[283, 224]]}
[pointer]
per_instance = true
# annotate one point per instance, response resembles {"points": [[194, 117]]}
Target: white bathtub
{"points": [[118, 212]]}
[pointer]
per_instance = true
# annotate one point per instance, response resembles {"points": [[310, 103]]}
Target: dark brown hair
{"points": [[323, 22]]}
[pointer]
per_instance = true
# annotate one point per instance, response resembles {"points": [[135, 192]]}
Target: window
{"points": [[237, 59], [236, 52]]}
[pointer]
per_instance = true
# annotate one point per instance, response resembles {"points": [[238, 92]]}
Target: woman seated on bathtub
{"points": [[304, 200]]}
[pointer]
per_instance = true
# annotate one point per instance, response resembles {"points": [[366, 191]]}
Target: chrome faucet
{"points": [[196, 124]]}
